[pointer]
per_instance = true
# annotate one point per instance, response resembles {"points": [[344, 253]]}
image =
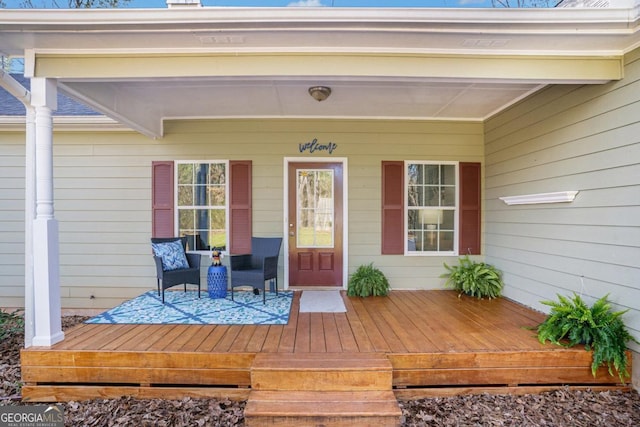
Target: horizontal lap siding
{"points": [[12, 163], [103, 194], [584, 138], [365, 144], [103, 205]]}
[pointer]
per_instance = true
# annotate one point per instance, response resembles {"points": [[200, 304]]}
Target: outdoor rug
{"points": [[321, 302], [185, 308]]}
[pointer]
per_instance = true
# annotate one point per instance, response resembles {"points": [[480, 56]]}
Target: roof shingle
{"points": [[10, 106]]}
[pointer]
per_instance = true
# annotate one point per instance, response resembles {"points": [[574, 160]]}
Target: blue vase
{"points": [[217, 281]]}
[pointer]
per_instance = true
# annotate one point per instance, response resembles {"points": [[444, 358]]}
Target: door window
{"points": [[315, 194]]}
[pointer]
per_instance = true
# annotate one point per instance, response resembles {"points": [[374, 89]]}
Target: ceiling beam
{"points": [[124, 109], [512, 68]]}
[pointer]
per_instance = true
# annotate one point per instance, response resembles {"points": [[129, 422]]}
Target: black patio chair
{"points": [[169, 278], [256, 268]]}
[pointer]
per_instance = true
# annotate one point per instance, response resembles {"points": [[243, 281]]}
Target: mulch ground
{"points": [[570, 408]]}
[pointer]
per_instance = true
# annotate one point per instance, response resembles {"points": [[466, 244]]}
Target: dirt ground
{"points": [[559, 408]]}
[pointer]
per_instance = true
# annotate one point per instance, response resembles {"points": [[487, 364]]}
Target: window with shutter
{"points": [[430, 208], [212, 207]]}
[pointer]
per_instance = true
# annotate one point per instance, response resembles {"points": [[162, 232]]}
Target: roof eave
{"points": [[287, 17]]}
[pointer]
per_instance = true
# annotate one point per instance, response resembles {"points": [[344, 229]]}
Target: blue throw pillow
{"points": [[172, 255]]}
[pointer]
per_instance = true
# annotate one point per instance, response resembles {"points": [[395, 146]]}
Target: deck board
{"points": [[433, 339], [346, 333], [241, 341], [178, 342], [207, 342], [317, 338], [256, 343], [439, 323], [303, 332], [378, 342], [414, 323], [332, 336], [227, 340], [131, 333], [275, 337], [99, 335], [76, 340], [287, 340], [363, 342]]}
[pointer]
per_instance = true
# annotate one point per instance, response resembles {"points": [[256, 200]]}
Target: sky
{"points": [[14, 4]]}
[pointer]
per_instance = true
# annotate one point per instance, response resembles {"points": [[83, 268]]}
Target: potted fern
{"points": [[571, 322], [473, 278], [367, 280]]}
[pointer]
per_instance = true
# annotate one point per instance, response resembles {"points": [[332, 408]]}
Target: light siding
{"points": [[103, 195], [584, 138], [12, 220]]}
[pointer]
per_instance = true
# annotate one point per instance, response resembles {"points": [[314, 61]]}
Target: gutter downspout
{"points": [[18, 91], [12, 86]]}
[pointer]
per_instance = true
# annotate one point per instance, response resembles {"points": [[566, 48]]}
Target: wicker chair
{"points": [[256, 268], [169, 278]]}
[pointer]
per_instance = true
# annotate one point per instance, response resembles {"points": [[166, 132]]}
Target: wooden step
{"points": [[321, 372], [322, 408]]}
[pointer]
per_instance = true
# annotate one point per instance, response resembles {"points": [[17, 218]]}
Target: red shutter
{"points": [[393, 207], [162, 199], [240, 207], [469, 243]]}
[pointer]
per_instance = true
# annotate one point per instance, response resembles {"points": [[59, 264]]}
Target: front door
{"points": [[315, 224]]}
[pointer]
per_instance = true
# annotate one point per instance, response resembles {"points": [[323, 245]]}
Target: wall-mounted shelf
{"points": [[533, 199]]}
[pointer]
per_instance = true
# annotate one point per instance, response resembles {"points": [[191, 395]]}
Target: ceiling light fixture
{"points": [[320, 93]]}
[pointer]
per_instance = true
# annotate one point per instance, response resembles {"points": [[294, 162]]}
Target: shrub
{"points": [[572, 322], [367, 280], [474, 278]]}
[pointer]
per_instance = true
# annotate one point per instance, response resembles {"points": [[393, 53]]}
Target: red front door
{"points": [[315, 224]]}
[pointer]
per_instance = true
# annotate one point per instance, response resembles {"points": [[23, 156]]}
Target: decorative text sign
{"points": [[314, 146]]}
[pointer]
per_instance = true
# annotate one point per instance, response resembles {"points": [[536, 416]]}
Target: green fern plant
{"points": [[367, 280], [571, 322], [473, 278]]}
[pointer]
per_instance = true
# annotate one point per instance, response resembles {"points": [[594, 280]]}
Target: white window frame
{"points": [[456, 209], [226, 198]]}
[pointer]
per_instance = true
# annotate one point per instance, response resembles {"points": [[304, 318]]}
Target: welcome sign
{"points": [[315, 146]]}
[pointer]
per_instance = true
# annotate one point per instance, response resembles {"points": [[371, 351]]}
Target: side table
{"points": [[217, 281]]}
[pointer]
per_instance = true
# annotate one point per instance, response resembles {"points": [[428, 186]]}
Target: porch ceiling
{"points": [[141, 67]]}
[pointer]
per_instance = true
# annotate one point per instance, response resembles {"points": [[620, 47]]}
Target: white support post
{"points": [[29, 215], [46, 257]]}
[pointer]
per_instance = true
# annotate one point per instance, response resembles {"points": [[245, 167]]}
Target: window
{"points": [[315, 196], [450, 189], [431, 195], [238, 203], [201, 203]]}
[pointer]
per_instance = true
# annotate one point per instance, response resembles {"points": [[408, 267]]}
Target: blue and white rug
{"points": [[185, 308]]}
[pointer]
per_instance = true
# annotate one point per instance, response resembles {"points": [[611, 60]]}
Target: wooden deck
{"points": [[437, 344]]}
